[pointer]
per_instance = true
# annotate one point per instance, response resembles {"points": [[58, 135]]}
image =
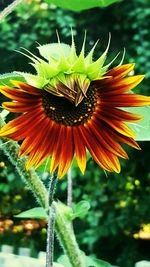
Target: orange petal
{"points": [[27, 130], [113, 75], [121, 86], [124, 139], [44, 147], [18, 123], [35, 145], [117, 125], [121, 71], [67, 152], [58, 146], [112, 160], [18, 107], [111, 139], [95, 149], [29, 135], [129, 141], [118, 114], [26, 87], [107, 143], [47, 150], [126, 100], [18, 95]]}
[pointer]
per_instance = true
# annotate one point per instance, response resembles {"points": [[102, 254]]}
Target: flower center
{"points": [[62, 111]]}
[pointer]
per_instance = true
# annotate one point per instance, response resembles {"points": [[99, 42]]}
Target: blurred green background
{"points": [[119, 203]]}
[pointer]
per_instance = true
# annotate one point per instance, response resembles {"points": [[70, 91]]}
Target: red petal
{"points": [[121, 86], [124, 139], [99, 154], [34, 147], [120, 71], [19, 123], [18, 95], [58, 147], [45, 147], [118, 114], [18, 107], [26, 87], [114, 75], [29, 134], [106, 141], [117, 125], [126, 100], [67, 152]]}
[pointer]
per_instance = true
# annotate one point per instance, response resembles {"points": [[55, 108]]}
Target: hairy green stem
{"points": [[66, 236], [69, 191], [50, 237], [9, 9], [51, 222], [63, 228]]}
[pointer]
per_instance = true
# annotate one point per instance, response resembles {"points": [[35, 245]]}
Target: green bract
{"points": [[62, 62]]}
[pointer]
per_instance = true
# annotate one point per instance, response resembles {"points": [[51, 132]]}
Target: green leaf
{"points": [[89, 261], [64, 260], [80, 209], [141, 128], [78, 5], [93, 262], [6, 77], [58, 265], [35, 213]]}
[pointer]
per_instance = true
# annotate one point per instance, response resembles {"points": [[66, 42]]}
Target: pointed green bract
{"points": [[60, 60]]}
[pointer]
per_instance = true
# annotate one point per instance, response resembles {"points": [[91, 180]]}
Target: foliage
{"points": [[81, 5], [89, 261], [142, 128], [133, 20], [119, 203], [14, 197], [35, 213], [79, 210]]}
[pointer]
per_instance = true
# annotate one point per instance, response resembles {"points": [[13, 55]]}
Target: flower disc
{"points": [[62, 111]]}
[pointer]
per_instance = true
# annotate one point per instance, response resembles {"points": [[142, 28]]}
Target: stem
{"points": [[63, 227], [66, 236], [51, 222], [50, 237], [69, 193], [52, 187], [9, 9]]}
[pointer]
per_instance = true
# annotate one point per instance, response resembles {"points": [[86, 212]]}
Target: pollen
{"points": [[62, 111], [52, 108]]}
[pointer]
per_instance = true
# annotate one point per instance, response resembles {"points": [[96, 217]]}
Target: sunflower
{"points": [[72, 105]]}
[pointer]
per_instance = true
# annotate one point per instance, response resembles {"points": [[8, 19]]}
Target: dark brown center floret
{"points": [[62, 111]]}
